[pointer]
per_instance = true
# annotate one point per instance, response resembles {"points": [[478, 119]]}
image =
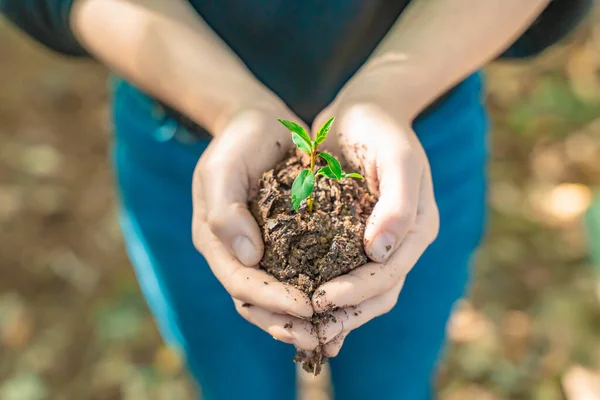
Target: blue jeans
{"points": [[391, 357]]}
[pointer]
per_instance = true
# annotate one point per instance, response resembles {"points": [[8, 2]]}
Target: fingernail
{"points": [[244, 250], [382, 246]]}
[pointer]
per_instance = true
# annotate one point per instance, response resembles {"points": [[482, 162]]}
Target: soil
{"points": [[307, 249]]}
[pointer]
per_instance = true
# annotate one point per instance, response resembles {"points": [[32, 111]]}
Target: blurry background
{"points": [[73, 324]]}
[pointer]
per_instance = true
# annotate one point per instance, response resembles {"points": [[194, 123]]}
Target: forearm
{"points": [[166, 49], [436, 43]]}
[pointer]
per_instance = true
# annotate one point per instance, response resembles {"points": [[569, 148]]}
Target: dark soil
{"points": [[308, 249]]}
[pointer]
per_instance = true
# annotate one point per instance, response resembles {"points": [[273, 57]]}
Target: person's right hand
{"points": [[226, 233], [167, 50]]}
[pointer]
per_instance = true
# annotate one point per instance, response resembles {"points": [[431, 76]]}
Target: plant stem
{"points": [[309, 200]]}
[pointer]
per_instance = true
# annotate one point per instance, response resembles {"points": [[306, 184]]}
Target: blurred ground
{"points": [[74, 326]]}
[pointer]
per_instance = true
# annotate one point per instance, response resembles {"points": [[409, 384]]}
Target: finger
{"points": [[282, 327], [228, 175], [372, 279], [249, 285], [332, 349], [223, 195], [350, 318], [399, 174]]}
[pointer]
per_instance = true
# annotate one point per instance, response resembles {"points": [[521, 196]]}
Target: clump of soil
{"points": [[308, 249]]}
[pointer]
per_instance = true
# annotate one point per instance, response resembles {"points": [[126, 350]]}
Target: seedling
{"points": [[304, 184]]}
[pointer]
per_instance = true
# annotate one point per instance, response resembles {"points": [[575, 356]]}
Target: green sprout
{"points": [[304, 184]]}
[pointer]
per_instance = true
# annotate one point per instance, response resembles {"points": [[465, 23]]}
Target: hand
{"points": [[404, 222], [226, 233]]}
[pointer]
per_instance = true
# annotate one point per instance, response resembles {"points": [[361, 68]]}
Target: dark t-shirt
{"points": [[303, 50]]}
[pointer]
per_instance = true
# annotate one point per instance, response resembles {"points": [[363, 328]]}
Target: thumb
{"points": [[227, 176], [220, 192], [396, 210], [222, 206], [236, 228]]}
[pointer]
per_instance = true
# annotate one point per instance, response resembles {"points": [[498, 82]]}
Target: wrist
{"points": [[211, 89], [400, 86], [214, 110]]}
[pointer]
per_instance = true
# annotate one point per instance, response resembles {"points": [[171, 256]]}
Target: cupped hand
{"points": [[405, 221], [226, 233]]}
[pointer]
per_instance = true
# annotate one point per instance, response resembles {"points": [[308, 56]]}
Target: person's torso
{"points": [[303, 50]]}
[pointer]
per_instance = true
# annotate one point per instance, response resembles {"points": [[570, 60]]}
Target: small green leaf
{"points": [[301, 143], [333, 164], [302, 187], [322, 134], [353, 175], [295, 128], [325, 171]]}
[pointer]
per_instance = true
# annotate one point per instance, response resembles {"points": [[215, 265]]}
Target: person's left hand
{"points": [[383, 147]]}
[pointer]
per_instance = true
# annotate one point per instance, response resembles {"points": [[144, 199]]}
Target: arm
{"points": [[167, 50], [163, 47], [433, 46], [436, 43]]}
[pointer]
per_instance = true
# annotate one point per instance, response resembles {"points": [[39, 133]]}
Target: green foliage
{"points": [[551, 107], [592, 227], [304, 184], [333, 164], [334, 169], [299, 135], [302, 187], [326, 171], [352, 175], [301, 143], [322, 134]]}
